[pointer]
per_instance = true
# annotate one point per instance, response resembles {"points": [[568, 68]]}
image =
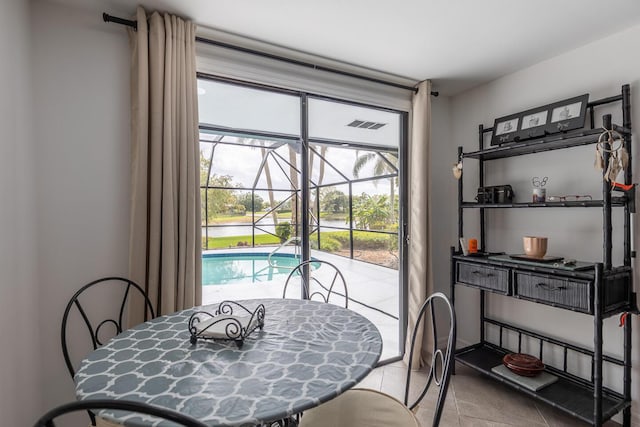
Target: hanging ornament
{"points": [[618, 155], [599, 161], [624, 158], [457, 170]]}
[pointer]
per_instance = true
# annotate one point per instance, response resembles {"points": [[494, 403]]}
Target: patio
{"points": [[372, 290]]}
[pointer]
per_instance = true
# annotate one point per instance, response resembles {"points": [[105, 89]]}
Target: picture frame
{"points": [[505, 130], [568, 114], [534, 123], [561, 116]]}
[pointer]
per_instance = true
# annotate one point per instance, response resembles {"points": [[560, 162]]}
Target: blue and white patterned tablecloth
{"points": [[307, 353]]}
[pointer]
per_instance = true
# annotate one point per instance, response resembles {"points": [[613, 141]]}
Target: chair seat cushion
{"points": [[360, 408]]}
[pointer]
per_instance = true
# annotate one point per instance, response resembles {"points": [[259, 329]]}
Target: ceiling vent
{"points": [[362, 124]]}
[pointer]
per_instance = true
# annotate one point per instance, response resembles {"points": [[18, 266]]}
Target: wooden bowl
{"points": [[534, 247], [523, 364]]}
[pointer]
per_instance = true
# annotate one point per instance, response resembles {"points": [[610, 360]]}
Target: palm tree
{"points": [[293, 172], [267, 174], [312, 156], [385, 164], [293, 177]]}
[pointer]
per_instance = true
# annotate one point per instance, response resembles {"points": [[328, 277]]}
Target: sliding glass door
{"points": [[354, 154], [287, 176]]}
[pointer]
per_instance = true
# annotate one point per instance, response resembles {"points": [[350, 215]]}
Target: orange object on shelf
{"points": [[473, 246], [622, 187]]}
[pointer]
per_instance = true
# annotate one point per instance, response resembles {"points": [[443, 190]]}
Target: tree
{"points": [[385, 163], [321, 167], [285, 207], [251, 204], [333, 201], [219, 200], [293, 177], [370, 211], [267, 172], [283, 231], [216, 201]]}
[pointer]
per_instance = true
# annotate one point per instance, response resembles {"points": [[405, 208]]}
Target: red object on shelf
{"points": [[622, 187], [623, 318], [523, 364]]}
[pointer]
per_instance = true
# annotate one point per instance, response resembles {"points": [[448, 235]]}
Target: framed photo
{"points": [[534, 120], [505, 129], [534, 123], [568, 114]]}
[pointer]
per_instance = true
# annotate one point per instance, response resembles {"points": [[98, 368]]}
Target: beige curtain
{"points": [[165, 234], [420, 271]]}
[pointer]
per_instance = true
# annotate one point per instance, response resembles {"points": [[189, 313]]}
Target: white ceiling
{"points": [[456, 43]]}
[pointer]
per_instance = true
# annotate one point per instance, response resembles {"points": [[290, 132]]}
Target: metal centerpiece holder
{"points": [[224, 325]]}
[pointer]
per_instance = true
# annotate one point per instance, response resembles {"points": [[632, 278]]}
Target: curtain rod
{"points": [[133, 24]]}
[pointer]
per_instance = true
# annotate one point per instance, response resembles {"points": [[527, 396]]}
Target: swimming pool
{"points": [[228, 268]]}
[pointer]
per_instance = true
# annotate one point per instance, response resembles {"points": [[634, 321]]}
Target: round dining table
{"points": [[308, 352]]}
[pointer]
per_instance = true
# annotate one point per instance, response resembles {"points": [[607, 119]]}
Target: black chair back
{"points": [[319, 280], [48, 419], [437, 306], [127, 287]]}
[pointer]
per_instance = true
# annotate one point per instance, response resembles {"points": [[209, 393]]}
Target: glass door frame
{"points": [[304, 141]]}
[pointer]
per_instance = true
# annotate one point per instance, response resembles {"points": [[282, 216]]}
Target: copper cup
{"points": [[535, 247]]}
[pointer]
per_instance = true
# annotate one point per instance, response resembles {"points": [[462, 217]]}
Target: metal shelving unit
{"points": [[602, 291]]}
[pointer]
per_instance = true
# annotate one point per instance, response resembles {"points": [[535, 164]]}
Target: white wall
{"points": [[81, 87], [600, 69], [19, 320]]}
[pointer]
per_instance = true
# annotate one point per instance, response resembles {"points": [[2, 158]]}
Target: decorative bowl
{"points": [[523, 364], [534, 247]]}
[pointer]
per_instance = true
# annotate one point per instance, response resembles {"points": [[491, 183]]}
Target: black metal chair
{"points": [[48, 419], [95, 322], [318, 280], [370, 408]]}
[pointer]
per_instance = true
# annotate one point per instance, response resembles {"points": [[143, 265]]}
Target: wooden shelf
{"points": [[565, 394]]}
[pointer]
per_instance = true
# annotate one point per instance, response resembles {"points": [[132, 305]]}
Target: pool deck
{"points": [[370, 284]]}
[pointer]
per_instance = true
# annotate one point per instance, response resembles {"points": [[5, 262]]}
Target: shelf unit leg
{"points": [[597, 347], [452, 283], [626, 122], [626, 413], [482, 316]]}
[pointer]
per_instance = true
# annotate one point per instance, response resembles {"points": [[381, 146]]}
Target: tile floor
{"points": [[473, 401]]}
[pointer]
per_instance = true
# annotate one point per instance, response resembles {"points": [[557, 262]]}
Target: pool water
{"points": [[220, 269]]}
